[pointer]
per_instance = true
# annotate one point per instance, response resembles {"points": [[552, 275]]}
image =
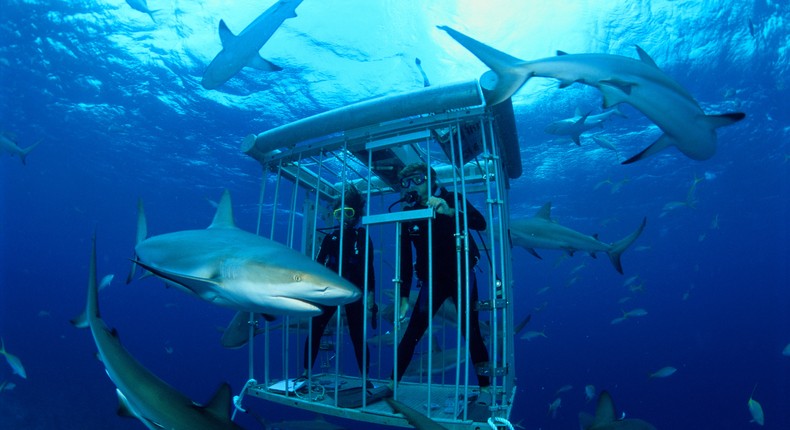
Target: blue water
{"points": [[117, 101]]}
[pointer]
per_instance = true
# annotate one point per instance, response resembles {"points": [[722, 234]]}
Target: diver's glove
{"points": [[404, 308]]}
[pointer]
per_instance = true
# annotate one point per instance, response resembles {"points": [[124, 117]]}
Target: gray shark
{"points": [[142, 6], [7, 144], [230, 267], [142, 394], [620, 79], [239, 51], [542, 232], [605, 418], [574, 127]]}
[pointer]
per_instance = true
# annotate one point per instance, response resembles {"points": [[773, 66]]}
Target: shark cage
{"points": [[472, 148]]}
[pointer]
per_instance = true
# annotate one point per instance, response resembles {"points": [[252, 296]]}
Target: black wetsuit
{"points": [[445, 278], [353, 270]]}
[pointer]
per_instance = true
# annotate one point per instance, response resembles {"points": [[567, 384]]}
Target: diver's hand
{"points": [[404, 307], [371, 300], [441, 206]]}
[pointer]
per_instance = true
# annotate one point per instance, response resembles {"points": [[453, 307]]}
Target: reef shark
{"points": [[7, 144], [605, 418], [620, 79], [239, 51], [230, 267], [142, 394], [540, 231], [574, 127]]}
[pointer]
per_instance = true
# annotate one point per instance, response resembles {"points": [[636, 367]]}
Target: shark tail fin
{"points": [[507, 74], [27, 150], [142, 234], [621, 245]]}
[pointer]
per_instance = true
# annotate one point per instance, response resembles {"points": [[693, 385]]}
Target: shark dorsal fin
{"points": [[561, 53], [645, 57], [604, 412], [224, 216], [219, 405], [225, 35], [544, 212]]}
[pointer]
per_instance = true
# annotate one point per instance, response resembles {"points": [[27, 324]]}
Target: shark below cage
{"points": [[472, 150]]}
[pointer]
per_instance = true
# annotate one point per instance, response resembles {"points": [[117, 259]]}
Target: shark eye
{"points": [[297, 278]]}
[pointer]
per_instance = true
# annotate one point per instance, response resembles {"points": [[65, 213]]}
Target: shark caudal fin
{"points": [[507, 74], [142, 234], [621, 245], [27, 150]]}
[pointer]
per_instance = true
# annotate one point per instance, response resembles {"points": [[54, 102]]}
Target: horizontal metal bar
{"points": [[415, 215]]}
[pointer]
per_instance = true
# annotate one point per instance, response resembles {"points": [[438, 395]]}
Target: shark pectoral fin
{"points": [[259, 63], [577, 139], [203, 287], [716, 121], [220, 403], [623, 86], [225, 35], [124, 408], [659, 145], [614, 93], [80, 321], [535, 253]]}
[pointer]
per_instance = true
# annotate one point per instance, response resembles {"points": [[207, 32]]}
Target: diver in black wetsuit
{"points": [[354, 249], [414, 178]]}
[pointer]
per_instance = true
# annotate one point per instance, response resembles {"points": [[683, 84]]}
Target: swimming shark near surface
{"points": [[540, 231], [142, 394], [142, 6], [578, 124], [620, 79], [239, 51], [9, 145], [230, 267], [606, 419]]}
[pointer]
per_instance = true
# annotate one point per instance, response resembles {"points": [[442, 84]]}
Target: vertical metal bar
{"points": [[396, 281], [366, 288], [430, 276]]}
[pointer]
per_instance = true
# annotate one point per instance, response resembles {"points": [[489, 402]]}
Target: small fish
{"points": [[106, 281], [563, 389], [604, 143], [13, 361], [714, 223], [630, 280], [638, 312], [589, 392], [663, 372], [755, 409], [533, 335], [7, 386], [553, 406], [786, 351]]}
